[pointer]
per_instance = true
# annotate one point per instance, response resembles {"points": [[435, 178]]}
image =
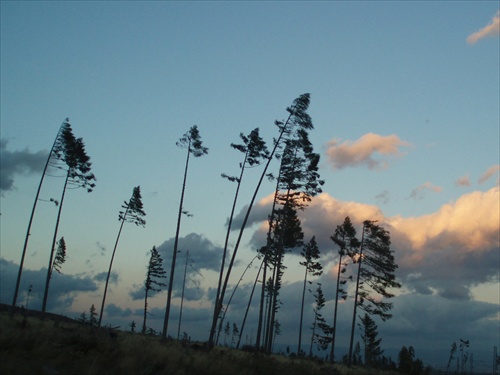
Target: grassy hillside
{"points": [[62, 346]]}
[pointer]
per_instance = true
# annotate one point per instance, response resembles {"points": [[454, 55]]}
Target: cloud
{"points": [[362, 151], [113, 277], [18, 162], [489, 173], [419, 192], [463, 181], [446, 252], [490, 30], [62, 293]]}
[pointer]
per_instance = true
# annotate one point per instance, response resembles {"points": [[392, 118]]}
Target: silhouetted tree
{"points": [[52, 155], [153, 281], [373, 351], [345, 238], [376, 268], [60, 257], [191, 141], [255, 150], [72, 152], [321, 332], [298, 118], [310, 253], [133, 213], [297, 182]]}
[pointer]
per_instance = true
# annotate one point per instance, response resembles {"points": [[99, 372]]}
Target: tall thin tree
{"points": [[345, 238], [191, 141], [133, 212], [255, 150], [311, 254], [52, 154], [376, 268], [153, 281], [72, 152]]}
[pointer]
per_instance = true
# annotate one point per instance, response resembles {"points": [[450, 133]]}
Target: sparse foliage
{"points": [[311, 254], [153, 283], [371, 342], [191, 141], [60, 257], [132, 213]]}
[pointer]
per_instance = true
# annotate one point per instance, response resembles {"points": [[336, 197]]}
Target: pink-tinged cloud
{"points": [[419, 192], [490, 30], [489, 173], [371, 150], [463, 181], [450, 250]]}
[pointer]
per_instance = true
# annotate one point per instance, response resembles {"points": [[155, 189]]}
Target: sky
{"points": [[405, 105]]}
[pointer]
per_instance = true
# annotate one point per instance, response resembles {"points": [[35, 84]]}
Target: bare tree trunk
{"points": [[356, 297], [110, 266], [145, 312], [302, 311], [182, 296], [25, 247], [334, 333], [174, 254], [54, 239]]}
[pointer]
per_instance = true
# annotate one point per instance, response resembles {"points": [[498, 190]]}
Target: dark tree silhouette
{"points": [[72, 152], [376, 267], [191, 141], [310, 253], [255, 150], [321, 332], [297, 182], [369, 335], [345, 238], [153, 281], [133, 213], [60, 257], [52, 155]]}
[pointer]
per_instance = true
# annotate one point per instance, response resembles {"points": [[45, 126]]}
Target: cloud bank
{"points": [[371, 151], [18, 162], [490, 30]]}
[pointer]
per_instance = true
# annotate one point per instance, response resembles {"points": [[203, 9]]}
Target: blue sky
{"points": [[405, 103]]}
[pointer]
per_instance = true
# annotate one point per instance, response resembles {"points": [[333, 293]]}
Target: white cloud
{"points": [[492, 29], [362, 151]]}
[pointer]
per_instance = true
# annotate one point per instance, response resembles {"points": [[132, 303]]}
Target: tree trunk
{"points": [[110, 266], [302, 312], [356, 296], [49, 268], [174, 254], [25, 247], [182, 296], [334, 332]]}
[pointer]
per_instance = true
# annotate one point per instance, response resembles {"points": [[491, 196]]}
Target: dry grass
{"points": [[53, 347]]}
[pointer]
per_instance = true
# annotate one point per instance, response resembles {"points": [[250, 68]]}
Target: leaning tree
{"points": [[132, 213], [191, 141], [255, 151], [345, 238], [153, 281], [71, 152], [376, 275], [52, 155]]}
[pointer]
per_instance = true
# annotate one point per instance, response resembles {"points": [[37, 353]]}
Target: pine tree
{"points": [[133, 213], [255, 151], [311, 254], [369, 335], [52, 155], [191, 141], [321, 332], [376, 274], [153, 281], [72, 152], [345, 238], [60, 257]]}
